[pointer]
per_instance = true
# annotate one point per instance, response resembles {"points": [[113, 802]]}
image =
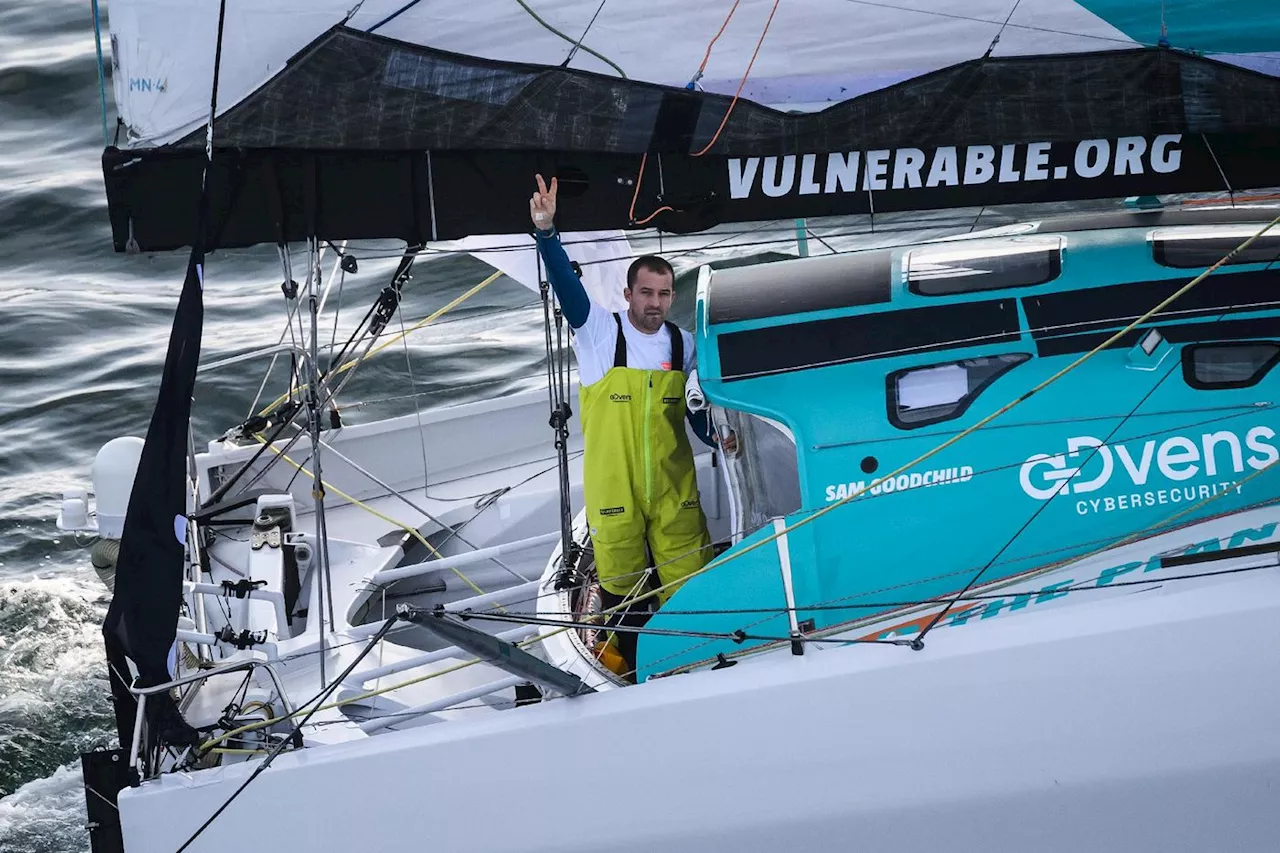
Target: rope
{"points": [[397, 13], [631, 214], [600, 56], [411, 530], [1109, 545], [706, 56], [742, 82]]}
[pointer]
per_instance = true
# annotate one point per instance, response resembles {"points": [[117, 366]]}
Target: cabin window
{"points": [[969, 267], [1192, 248], [1234, 365], [763, 473], [927, 395]]}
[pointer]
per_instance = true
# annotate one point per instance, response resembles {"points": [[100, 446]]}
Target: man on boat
{"points": [[638, 475]]}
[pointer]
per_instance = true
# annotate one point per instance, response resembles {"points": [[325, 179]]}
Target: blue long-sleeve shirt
{"points": [[576, 307]]}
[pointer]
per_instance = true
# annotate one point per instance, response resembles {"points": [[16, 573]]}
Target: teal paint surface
{"points": [[1211, 26], [987, 504]]}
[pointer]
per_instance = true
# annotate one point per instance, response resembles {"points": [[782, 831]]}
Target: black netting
{"points": [[354, 91]]}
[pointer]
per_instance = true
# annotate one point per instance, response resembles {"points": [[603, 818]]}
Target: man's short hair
{"points": [[652, 263]]}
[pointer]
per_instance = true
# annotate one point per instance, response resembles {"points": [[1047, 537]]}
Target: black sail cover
{"points": [[362, 136]]}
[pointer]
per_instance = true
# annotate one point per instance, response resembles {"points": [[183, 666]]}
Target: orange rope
{"points": [[707, 55], [705, 58], [743, 82], [635, 195]]}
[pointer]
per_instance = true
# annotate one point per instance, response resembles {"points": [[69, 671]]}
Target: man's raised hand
{"points": [[542, 206]]}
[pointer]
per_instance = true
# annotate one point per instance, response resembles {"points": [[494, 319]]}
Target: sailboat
{"points": [[998, 535]]}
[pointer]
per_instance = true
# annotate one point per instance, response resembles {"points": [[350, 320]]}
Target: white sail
{"points": [[602, 255], [815, 52]]}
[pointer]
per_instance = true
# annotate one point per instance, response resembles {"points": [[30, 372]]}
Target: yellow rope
{"points": [[430, 318], [412, 531], [853, 624]]}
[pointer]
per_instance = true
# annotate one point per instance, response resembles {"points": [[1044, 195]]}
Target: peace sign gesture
{"points": [[542, 206]]}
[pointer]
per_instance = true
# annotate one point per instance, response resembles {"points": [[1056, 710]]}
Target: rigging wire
{"points": [[1125, 41], [426, 321], [1149, 530], [738, 636], [995, 41], [595, 626], [557, 400], [453, 531], [1044, 505], [297, 436], [417, 408], [389, 18], [581, 38], [1088, 585], [1222, 174], [408, 528]]}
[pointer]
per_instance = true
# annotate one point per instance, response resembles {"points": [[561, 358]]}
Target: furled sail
{"points": [[425, 121]]}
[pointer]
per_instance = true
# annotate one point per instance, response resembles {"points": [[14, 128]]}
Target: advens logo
{"points": [[1089, 466]]}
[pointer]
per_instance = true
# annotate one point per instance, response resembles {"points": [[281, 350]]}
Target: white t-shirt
{"points": [[597, 339]]}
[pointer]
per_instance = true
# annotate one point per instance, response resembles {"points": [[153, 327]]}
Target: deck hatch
{"points": [[968, 267], [819, 343], [1194, 248], [814, 284]]}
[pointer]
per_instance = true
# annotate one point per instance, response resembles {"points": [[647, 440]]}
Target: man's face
{"points": [[650, 299]]}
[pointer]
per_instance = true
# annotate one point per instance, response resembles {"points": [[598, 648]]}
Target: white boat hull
{"points": [[1139, 722]]}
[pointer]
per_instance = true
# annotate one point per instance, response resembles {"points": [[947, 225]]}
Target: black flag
{"points": [[142, 620]]}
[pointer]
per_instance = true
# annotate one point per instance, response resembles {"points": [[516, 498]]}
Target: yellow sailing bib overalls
{"points": [[638, 476]]}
